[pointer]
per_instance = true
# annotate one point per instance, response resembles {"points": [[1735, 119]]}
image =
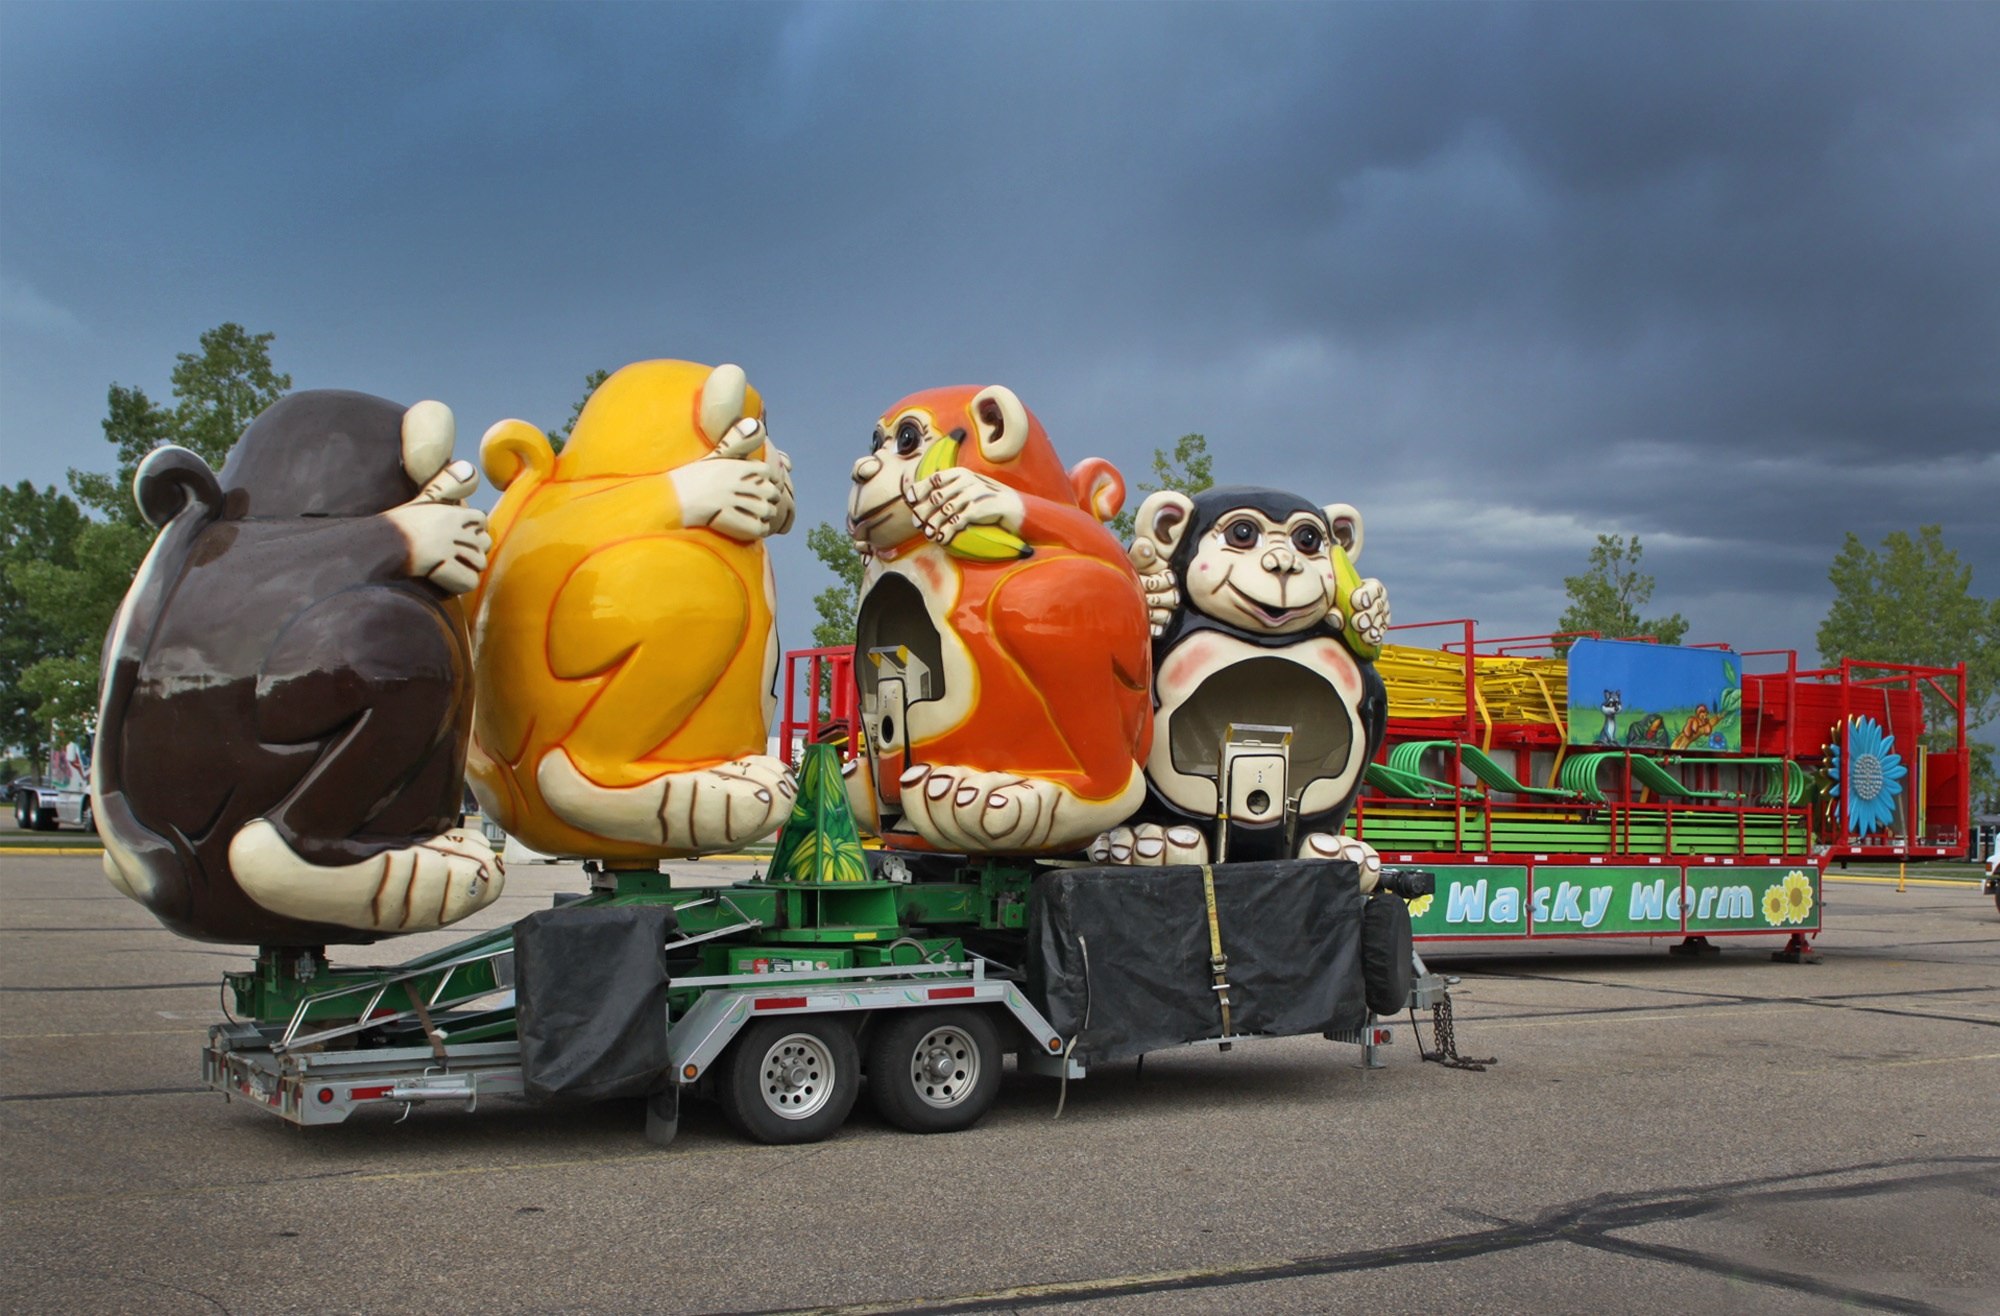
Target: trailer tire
{"points": [[1387, 972], [934, 1071], [791, 1080], [23, 817]]}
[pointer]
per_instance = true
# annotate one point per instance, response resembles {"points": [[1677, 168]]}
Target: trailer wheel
{"points": [[23, 819], [791, 1080], [934, 1071]]}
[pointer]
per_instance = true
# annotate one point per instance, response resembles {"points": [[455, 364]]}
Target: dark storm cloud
{"points": [[1505, 276]]}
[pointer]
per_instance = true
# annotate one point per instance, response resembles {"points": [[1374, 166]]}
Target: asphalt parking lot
{"points": [[1723, 1134]]}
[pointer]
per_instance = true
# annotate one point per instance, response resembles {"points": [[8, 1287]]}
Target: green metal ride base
{"points": [[817, 902], [846, 912], [286, 977], [985, 893]]}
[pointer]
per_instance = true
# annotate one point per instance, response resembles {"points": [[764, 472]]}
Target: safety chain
{"points": [[1445, 1041]]}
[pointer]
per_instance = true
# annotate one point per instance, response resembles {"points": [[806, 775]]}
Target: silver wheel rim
{"points": [[944, 1067], [797, 1076]]}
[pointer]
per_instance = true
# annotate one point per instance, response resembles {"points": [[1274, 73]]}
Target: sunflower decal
{"points": [[1868, 774], [1774, 905], [1419, 905], [1789, 901], [1798, 891]]}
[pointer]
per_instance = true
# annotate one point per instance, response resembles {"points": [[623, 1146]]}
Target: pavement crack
{"points": [[1587, 1222], [1780, 1279]]}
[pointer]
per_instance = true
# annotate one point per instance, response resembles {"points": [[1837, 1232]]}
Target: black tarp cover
{"points": [[591, 1000], [1291, 930]]}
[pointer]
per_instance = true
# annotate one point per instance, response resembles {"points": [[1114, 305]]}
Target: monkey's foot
{"points": [[424, 886], [1325, 845], [697, 812], [978, 812], [1149, 845]]}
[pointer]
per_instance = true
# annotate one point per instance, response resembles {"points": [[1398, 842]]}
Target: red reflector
{"points": [[1381, 1037], [369, 1094], [950, 993], [326, 1096], [780, 1003]]}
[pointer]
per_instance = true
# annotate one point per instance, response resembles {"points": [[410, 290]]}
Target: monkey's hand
{"points": [[1368, 608], [1339, 845], [742, 439], [1163, 597], [733, 496], [781, 472], [446, 541], [953, 501]]}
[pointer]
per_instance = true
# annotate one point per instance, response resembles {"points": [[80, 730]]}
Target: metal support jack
{"points": [[1796, 951]]}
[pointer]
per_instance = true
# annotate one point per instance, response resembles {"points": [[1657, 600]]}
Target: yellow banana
{"points": [[941, 455], [987, 543], [977, 543]]}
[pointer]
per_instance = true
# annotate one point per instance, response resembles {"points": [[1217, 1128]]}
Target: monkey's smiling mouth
{"points": [[1270, 615], [863, 522]]}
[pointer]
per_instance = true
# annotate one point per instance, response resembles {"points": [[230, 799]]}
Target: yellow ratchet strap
{"points": [[1218, 963]]}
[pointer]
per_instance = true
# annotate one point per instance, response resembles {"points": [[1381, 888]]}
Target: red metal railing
{"points": [[820, 701]]}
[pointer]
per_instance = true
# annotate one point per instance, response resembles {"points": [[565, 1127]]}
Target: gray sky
{"points": [[1503, 277]]}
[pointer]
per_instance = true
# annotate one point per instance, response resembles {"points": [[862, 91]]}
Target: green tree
{"points": [[135, 426], [836, 603], [36, 525], [72, 606], [217, 390], [1912, 602], [591, 381], [1187, 469], [1608, 596]]}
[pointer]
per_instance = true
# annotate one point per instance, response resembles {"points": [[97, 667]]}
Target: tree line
{"points": [[67, 557]]}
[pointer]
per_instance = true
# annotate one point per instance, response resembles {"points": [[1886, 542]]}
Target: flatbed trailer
{"points": [[781, 1047], [292, 1072]]}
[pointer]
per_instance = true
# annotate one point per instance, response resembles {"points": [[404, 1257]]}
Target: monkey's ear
{"points": [[171, 478], [1002, 422], [1164, 518], [721, 405], [1344, 524]]}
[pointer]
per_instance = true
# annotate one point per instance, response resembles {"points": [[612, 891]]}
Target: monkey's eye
{"points": [[1307, 539], [880, 437], [1241, 534], [909, 437]]}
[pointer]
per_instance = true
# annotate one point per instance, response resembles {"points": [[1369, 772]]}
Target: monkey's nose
{"points": [[1282, 562], [867, 469]]}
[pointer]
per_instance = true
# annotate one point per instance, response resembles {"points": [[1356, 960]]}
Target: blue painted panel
{"points": [[1655, 696]]}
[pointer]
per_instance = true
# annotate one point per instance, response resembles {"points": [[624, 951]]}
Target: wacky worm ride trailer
{"points": [[1085, 858], [1572, 786]]}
